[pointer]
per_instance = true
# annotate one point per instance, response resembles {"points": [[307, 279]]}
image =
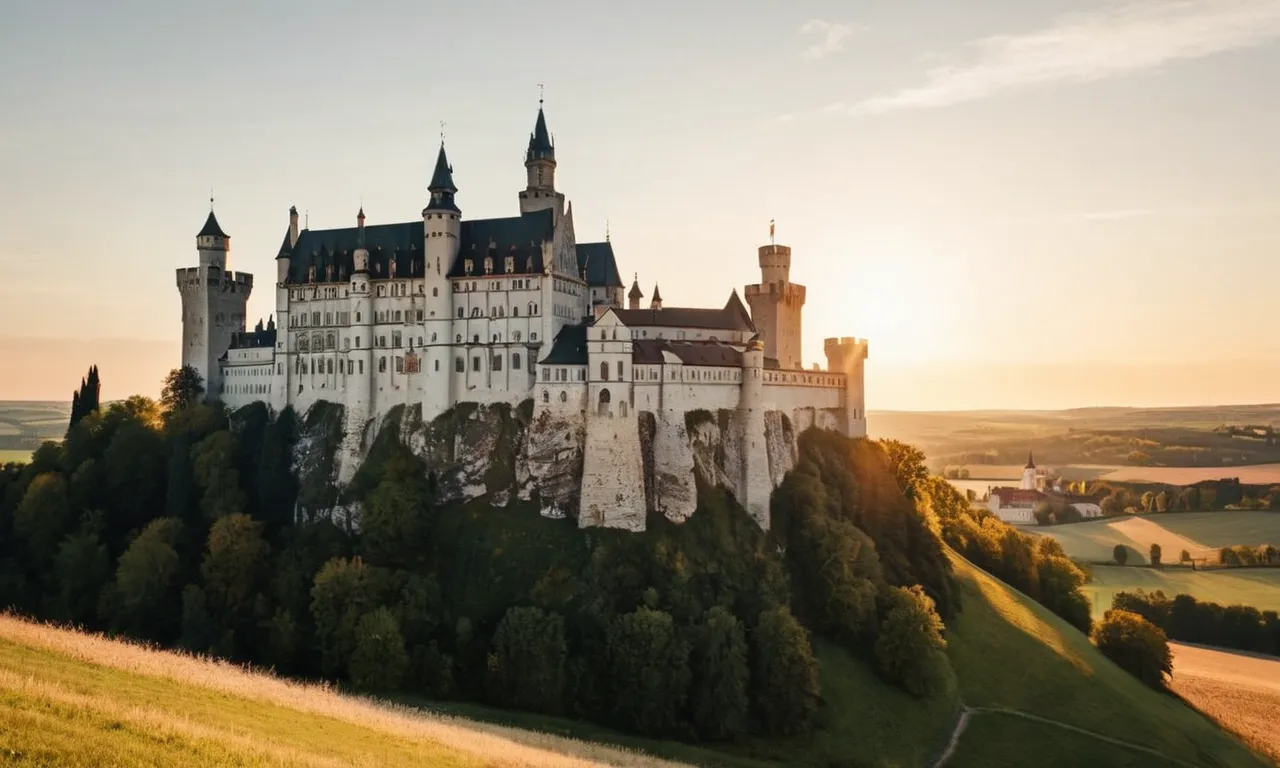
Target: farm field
{"points": [[70, 699], [1259, 587], [1200, 533], [19, 456], [1239, 690]]}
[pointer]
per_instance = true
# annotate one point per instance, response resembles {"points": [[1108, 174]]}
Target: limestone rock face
{"points": [[602, 472]]}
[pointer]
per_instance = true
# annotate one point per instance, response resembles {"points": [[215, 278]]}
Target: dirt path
{"points": [[967, 712]]}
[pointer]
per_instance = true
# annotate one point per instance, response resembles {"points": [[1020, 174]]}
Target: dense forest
{"points": [[178, 523]]}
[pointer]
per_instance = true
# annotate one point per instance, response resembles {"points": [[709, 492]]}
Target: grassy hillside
{"points": [[1259, 587], [1240, 689], [75, 700], [1011, 653], [1200, 533]]}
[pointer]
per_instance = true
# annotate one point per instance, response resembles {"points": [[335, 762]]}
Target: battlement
{"points": [[778, 291]]}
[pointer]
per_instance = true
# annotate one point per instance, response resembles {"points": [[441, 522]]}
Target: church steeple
{"points": [[442, 187], [635, 294]]}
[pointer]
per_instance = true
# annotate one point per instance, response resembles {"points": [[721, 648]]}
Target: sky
{"points": [[1020, 203]]}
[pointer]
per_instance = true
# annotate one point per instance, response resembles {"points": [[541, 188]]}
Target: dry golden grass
{"points": [[261, 712], [1240, 691]]}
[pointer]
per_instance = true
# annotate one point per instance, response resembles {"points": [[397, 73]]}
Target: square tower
{"points": [[776, 307]]}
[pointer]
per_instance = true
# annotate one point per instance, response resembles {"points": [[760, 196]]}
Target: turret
{"points": [[442, 236], [285, 256], [656, 301], [848, 356], [777, 305], [540, 171], [360, 258], [212, 243], [635, 294]]}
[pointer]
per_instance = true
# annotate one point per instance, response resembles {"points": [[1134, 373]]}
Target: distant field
{"points": [[1253, 474], [1259, 587], [20, 456], [1239, 690], [1200, 533]]}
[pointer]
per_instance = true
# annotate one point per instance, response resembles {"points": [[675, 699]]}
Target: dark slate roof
{"points": [[649, 352], [443, 176], [330, 251], [570, 347], [726, 319], [540, 141], [519, 236], [736, 306], [635, 292], [211, 228], [597, 260], [657, 295], [286, 249], [255, 338]]}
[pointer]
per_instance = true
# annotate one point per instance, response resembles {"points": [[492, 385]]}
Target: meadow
{"points": [[72, 699], [1200, 533], [1258, 587], [1240, 690]]}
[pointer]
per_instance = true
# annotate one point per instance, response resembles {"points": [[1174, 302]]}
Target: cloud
{"points": [[1117, 40], [830, 36]]}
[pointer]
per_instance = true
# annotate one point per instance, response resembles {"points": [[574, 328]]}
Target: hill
{"points": [[1258, 587], [1240, 689], [74, 699], [26, 424], [1200, 533]]}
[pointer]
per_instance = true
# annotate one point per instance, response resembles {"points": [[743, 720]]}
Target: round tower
{"points": [[751, 398], [777, 306], [213, 304], [442, 234], [360, 378], [212, 243]]}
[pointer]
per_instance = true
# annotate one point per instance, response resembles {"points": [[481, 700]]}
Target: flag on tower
{"points": [[771, 230]]}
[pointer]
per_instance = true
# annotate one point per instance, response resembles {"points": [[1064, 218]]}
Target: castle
{"points": [[444, 310]]}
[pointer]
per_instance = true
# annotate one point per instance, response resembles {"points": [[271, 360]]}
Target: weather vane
{"points": [[540, 94], [442, 132], [210, 199]]}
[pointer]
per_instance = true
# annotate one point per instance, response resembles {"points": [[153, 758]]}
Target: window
{"points": [[496, 363], [475, 312], [475, 363], [434, 292], [360, 367], [515, 335], [351, 367], [533, 336], [421, 315], [382, 290], [399, 316], [461, 312], [515, 311], [515, 361], [357, 342], [437, 365], [433, 338], [475, 338], [399, 364], [315, 318], [546, 396], [330, 366], [382, 365], [357, 317], [620, 376], [602, 409], [604, 371], [622, 408], [458, 365], [397, 339], [457, 339]]}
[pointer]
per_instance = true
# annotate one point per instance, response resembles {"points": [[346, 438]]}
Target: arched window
{"points": [[475, 311], [434, 291], [330, 341], [620, 376], [382, 365], [602, 409], [546, 396], [457, 339], [330, 366], [515, 311], [433, 338], [461, 312], [564, 396], [515, 361], [515, 335], [531, 307], [604, 371]]}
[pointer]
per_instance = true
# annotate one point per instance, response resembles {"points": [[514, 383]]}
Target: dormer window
{"points": [[511, 264], [488, 265], [468, 266]]}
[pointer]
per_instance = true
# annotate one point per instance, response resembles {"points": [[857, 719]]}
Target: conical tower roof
{"points": [[211, 228], [540, 146], [442, 178], [635, 292]]}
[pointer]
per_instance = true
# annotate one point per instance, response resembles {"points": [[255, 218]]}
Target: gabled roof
{"points": [[650, 352], [736, 306], [569, 348], [597, 260], [733, 317], [1012, 496], [211, 228]]}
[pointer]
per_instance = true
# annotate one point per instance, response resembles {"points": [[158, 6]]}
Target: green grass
{"points": [[1259, 587], [1011, 653], [83, 701], [994, 740], [1201, 533]]}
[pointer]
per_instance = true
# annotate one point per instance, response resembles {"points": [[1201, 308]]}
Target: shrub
{"points": [[1120, 554], [378, 660], [910, 648], [1136, 645], [649, 663], [719, 693], [526, 664], [1154, 555], [784, 674]]}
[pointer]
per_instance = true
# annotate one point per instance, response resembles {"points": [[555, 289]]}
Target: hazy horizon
{"points": [[1022, 205]]}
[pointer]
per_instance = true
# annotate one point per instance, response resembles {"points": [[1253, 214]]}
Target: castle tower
{"points": [[285, 372], [635, 294], [442, 233], [612, 471], [540, 171], [213, 304], [360, 405], [776, 305], [1029, 474], [848, 356], [755, 486]]}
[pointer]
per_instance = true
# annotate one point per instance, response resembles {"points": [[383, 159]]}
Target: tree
{"points": [[1162, 501], [85, 400], [42, 519], [1148, 502], [182, 389], [394, 526], [1120, 553], [234, 562], [343, 592], [378, 659], [214, 468], [719, 693], [144, 599], [527, 660], [81, 568], [1184, 557], [1043, 514], [1154, 554], [907, 463], [784, 674], [910, 649], [649, 665], [1111, 507], [1136, 645]]}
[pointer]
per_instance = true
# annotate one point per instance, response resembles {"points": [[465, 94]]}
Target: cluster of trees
{"points": [[1206, 496], [1136, 645], [1189, 620], [1264, 555], [174, 522], [86, 399], [1035, 565], [1055, 513]]}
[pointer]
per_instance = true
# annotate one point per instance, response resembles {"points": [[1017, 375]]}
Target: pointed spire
{"points": [[635, 292], [1031, 462], [540, 146], [360, 227], [656, 301], [442, 178], [211, 228]]}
